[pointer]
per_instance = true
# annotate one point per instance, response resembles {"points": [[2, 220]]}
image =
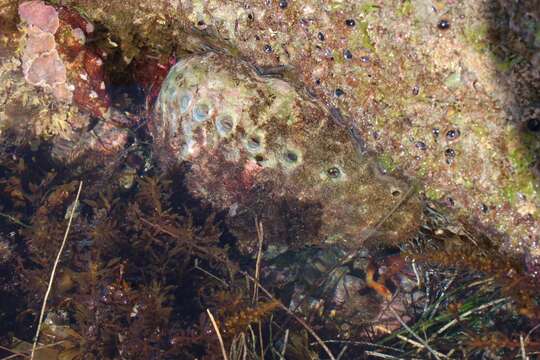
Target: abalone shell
{"points": [[260, 148]]}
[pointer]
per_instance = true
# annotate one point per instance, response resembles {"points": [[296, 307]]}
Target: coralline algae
{"points": [[259, 148], [55, 56], [42, 65], [38, 14]]}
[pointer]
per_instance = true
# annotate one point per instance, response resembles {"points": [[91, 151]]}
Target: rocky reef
{"points": [[302, 170], [442, 90]]}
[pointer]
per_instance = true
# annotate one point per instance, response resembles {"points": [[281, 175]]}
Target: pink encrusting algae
{"points": [[42, 65], [36, 13]]}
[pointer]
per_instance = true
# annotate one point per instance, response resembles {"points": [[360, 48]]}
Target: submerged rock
{"points": [[418, 68], [259, 148], [346, 297]]}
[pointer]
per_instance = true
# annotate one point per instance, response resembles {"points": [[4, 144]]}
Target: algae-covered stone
{"points": [[25, 111], [260, 149], [409, 80]]}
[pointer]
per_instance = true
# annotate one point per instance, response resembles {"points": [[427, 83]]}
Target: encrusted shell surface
{"points": [[259, 148]]}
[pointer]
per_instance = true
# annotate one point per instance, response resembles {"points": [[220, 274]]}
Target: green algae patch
{"points": [[521, 160], [434, 194], [480, 130], [468, 184], [521, 151], [386, 162], [453, 81], [521, 183], [336, 5], [423, 170], [369, 8], [361, 38], [522, 148], [476, 36], [406, 9], [506, 64]]}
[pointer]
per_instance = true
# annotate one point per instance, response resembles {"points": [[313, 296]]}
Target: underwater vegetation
{"points": [[137, 275], [144, 264], [243, 172], [101, 290]]}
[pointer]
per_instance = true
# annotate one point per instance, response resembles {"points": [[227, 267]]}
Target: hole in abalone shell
{"points": [[201, 112], [185, 101], [334, 172], [259, 158], [291, 156], [396, 193], [253, 143], [224, 124]]}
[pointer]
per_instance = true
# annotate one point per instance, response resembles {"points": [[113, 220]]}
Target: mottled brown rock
{"points": [[408, 82]]}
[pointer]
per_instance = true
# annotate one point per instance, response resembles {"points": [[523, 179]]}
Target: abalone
{"points": [[260, 148]]}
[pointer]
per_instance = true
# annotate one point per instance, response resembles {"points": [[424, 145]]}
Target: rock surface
{"points": [[442, 90]]}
